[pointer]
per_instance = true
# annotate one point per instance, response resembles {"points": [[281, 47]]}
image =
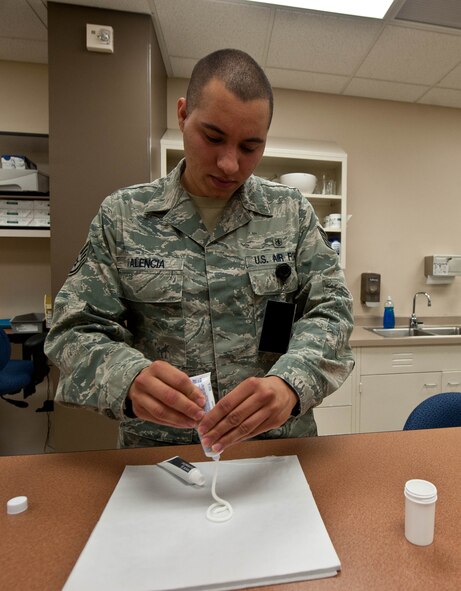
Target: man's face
{"points": [[224, 140]]}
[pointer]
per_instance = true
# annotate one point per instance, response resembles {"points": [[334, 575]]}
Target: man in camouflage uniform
{"points": [[175, 277]]}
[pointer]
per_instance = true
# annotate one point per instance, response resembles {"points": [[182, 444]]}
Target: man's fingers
{"points": [[163, 394], [151, 409]]}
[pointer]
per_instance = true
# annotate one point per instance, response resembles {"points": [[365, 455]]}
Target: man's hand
{"points": [[254, 406], [163, 394]]}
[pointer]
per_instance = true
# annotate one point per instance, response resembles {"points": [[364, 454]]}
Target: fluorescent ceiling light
{"points": [[369, 8]]}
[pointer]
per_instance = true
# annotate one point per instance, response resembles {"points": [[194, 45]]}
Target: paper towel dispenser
{"points": [[442, 268]]}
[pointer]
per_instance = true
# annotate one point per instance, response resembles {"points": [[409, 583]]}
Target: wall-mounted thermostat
{"points": [[100, 38]]}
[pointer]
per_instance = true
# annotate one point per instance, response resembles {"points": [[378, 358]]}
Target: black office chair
{"points": [[436, 412], [22, 374]]}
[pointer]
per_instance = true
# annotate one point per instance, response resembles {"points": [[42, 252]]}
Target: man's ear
{"points": [[181, 110]]}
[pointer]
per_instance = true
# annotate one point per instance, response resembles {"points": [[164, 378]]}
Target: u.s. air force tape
{"points": [[82, 256]]}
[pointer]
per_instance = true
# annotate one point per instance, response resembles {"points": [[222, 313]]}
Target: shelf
{"points": [[24, 134], [24, 233], [284, 155], [19, 194], [319, 197]]}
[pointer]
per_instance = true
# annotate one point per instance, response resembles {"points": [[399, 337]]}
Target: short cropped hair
{"points": [[239, 72]]}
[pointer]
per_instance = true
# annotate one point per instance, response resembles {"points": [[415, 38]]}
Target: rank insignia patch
{"points": [[82, 256]]}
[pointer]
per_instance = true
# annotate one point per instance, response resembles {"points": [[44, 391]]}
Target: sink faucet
{"points": [[413, 319]]}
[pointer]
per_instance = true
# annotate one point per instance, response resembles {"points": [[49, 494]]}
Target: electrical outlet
{"points": [[100, 38]]}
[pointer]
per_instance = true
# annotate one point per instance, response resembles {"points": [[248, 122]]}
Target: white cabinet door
{"points": [[333, 420], [451, 381], [341, 397], [387, 400], [334, 415]]}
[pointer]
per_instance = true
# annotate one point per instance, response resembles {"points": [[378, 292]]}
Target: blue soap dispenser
{"points": [[389, 317]]}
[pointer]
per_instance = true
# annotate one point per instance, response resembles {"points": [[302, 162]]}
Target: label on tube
{"points": [[203, 382], [184, 470]]}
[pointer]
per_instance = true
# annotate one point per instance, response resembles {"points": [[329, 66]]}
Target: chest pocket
{"points": [[151, 280], [263, 271], [264, 282]]}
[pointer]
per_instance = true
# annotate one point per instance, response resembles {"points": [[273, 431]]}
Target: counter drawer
{"points": [[386, 360]]}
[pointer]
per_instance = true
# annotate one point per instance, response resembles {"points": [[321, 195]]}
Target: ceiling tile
{"points": [[141, 6], [329, 44], [443, 97], [194, 29], [379, 89], [446, 13], [311, 81], [18, 21], [182, 66], [453, 79], [408, 54]]}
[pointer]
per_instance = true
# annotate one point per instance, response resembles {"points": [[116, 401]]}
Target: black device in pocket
{"points": [[277, 325]]}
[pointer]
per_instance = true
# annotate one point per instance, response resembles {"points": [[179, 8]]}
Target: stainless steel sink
{"points": [[424, 331], [443, 330]]}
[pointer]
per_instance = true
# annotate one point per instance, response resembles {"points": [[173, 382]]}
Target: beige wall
{"points": [[404, 186], [24, 263], [23, 97]]}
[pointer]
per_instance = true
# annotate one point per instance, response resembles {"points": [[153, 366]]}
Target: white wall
{"points": [[404, 189]]}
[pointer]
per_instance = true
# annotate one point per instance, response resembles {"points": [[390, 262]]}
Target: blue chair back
{"points": [[5, 349], [15, 374], [436, 412]]}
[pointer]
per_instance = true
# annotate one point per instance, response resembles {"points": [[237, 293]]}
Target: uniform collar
{"points": [[169, 193]]}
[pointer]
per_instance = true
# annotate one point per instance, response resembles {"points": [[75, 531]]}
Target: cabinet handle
{"points": [[430, 385], [453, 383]]}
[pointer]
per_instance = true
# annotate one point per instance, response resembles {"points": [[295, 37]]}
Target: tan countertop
{"points": [[357, 482], [361, 337]]}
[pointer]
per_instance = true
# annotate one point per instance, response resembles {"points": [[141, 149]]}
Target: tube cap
{"points": [[16, 505], [196, 477]]}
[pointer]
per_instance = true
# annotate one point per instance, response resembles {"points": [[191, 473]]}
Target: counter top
{"points": [[361, 337], [357, 482]]}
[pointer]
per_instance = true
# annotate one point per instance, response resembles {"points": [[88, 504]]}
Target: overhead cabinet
{"points": [[326, 160]]}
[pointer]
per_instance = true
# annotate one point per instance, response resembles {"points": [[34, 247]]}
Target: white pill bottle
{"points": [[420, 499]]}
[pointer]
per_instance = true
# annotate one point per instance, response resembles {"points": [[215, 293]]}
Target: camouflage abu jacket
{"points": [[151, 283]]}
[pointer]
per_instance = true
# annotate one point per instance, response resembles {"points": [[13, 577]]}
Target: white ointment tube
{"points": [[184, 470], [203, 382]]}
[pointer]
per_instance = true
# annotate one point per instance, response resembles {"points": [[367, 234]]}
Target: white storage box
{"points": [[42, 205], [19, 216], [40, 221], [16, 204], [23, 180]]}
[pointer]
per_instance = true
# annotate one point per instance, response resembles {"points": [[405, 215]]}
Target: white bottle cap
{"points": [[196, 477], [420, 491], [16, 505]]}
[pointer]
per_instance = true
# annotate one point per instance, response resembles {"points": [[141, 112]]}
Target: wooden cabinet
{"points": [[282, 156], [394, 380]]}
